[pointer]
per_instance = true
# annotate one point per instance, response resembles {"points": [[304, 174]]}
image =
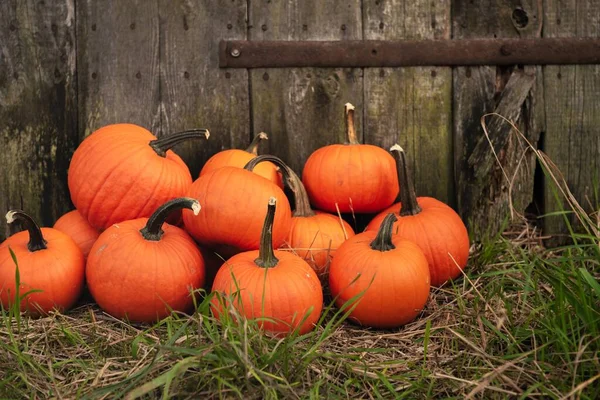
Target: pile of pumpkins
{"points": [[145, 235]]}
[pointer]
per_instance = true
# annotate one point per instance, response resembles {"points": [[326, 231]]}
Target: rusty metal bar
{"points": [[401, 53]]}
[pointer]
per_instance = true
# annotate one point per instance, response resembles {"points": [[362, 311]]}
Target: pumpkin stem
{"points": [[283, 168], [266, 255], [350, 129], [383, 240], [160, 146], [153, 229], [36, 239], [253, 148], [408, 198], [301, 200]]}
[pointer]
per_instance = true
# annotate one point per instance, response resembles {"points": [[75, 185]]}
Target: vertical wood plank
{"points": [[572, 137], [38, 130], [412, 106], [302, 108], [483, 194], [194, 91], [118, 63]]}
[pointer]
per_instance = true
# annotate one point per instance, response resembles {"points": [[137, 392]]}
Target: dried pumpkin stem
{"points": [[283, 168], [301, 201], [36, 239], [153, 229], [408, 198], [253, 148], [160, 146], [350, 128], [383, 240], [266, 254]]}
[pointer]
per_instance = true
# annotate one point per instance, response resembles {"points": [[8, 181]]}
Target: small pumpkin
{"points": [[143, 269], [79, 229], [385, 277], [271, 284], [431, 224], [122, 172], [239, 158], [233, 200], [350, 178], [50, 264], [314, 235]]}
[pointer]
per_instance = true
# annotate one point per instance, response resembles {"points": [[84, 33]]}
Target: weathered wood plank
{"points": [[118, 64], [572, 138], [412, 106], [486, 189], [302, 108], [194, 91], [38, 130]]}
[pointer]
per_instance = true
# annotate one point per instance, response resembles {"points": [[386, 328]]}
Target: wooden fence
{"points": [[68, 67]]}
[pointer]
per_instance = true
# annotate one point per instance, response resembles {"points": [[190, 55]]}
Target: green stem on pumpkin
{"points": [[266, 254], [408, 198], [160, 146], [350, 128], [383, 240], [153, 229], [283, 168], [36, 239], [253, 148]]}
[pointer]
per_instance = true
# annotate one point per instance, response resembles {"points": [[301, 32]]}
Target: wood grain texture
{"points": [[194, 91], [572, 138], [489, 189], [412, 106], [38, 116], [303, 108], [118, 64]]}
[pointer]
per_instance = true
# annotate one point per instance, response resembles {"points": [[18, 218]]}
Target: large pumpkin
{"points": [[233, 202], [383, 276], [270, 284], [79, 229], [314, 235], [144, 268], [431, 224], [239, 158], [51, 268], [122, 172], [350, 178]]}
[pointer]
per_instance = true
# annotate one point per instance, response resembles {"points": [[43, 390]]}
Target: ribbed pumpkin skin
{"points": [[79, 229], [58, 271], [116, 176], [233, 209], [361, 178], [316, 238], [290, 289], [133, 278], [400, 286], [439, 231], [239, 158]]}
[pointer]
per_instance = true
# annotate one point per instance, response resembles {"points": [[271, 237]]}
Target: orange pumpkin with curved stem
{"points": [[385, 277], [50, 263], [433, 225], [79, 229], [144, 268], [271, 284], [239, 158], [358, 178], [122, 172]]}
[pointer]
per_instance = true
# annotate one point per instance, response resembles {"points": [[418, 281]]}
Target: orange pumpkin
{"points": [[271, 284], [239, 158], [79, 229], [431, 224], [385, 277], [50, 263], [144, 268], [122, 172], [233, 200], [314, 235], [357, 178]]}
